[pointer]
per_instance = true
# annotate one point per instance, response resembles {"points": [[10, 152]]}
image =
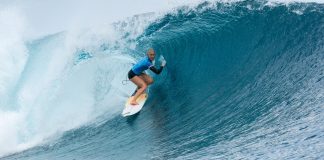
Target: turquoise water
{"points": [[243, 80]]}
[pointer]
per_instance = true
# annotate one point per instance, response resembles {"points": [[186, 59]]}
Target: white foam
{"points": [[13, 57], [57, 93], [12, 48]]}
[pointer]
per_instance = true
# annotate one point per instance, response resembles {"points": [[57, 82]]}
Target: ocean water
{"points": [[243, 80]]}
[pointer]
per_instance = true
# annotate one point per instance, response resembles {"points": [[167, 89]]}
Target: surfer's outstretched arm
{"points": [[156, 71]]}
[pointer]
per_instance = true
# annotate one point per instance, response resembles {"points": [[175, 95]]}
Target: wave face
{"points": [[243, 80]]}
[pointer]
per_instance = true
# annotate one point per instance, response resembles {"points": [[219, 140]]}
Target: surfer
{"points": [[139, 78]]}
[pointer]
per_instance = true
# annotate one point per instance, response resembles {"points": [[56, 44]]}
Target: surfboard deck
{"points": [[133, 109]]}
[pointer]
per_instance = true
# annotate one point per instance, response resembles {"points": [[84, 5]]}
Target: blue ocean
{"points": [[243, 80]]}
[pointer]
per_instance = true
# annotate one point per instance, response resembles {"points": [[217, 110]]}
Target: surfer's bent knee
{"points": [[147, 78], [150, 81], [144, 86]]}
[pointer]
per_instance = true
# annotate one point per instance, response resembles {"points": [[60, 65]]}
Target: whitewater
{"points": [[243, 80]]}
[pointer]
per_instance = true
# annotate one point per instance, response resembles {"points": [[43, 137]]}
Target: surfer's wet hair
{"points": [[151, 50]]}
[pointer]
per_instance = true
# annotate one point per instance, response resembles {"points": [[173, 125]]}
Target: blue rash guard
{"points": [[143, 65]]}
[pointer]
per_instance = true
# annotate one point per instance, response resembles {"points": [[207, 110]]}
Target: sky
{"points": [[43, 17]]}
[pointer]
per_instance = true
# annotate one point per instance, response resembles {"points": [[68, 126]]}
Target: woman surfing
{"points": [[141, 79]]}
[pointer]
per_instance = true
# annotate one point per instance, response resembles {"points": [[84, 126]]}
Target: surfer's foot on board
{"points": [[133, 102]]}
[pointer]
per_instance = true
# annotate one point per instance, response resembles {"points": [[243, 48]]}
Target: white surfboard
{"points": [[133, 109]]}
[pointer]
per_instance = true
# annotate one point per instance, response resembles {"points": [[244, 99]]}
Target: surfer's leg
{"points": [[141, 88], [147, 79]]}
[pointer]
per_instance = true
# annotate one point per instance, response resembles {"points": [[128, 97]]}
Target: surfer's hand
{"points": [[163, 63]]}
